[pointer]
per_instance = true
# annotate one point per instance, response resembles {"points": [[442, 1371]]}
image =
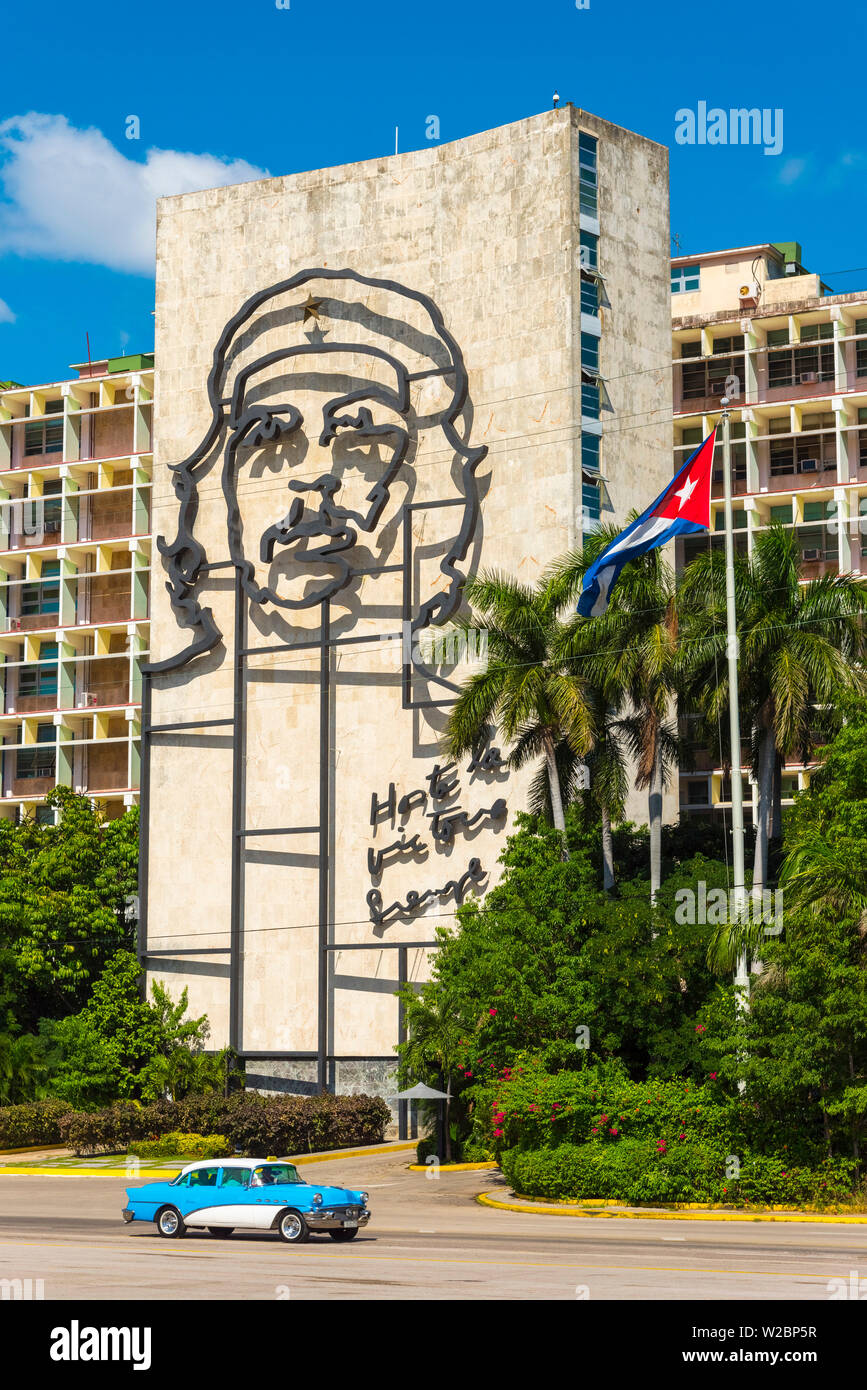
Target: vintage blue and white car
{"points": [[251, 1192]]}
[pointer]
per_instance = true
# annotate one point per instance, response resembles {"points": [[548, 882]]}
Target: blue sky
{"points": [[224, 91]]}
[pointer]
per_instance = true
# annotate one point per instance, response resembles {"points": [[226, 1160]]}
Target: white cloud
{"points": [[792, 171], [71, 196], [6, 314]]}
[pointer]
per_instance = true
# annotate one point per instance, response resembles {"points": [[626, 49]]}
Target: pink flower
{"points": [[713, 1076], [498, 1134], [533, 1105], [499, 1117], [595, 1129], [615, 1132], [492, 1012], [700, 1028]]}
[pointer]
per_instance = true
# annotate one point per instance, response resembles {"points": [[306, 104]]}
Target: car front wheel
{"points": [[170, 1223], [293, 1228], [341, 1236]]}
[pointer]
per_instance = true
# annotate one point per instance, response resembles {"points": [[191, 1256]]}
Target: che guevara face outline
{"points": [[336, 527]]}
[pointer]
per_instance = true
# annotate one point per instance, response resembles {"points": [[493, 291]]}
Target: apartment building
{"points": [[75, 478], [753, 323]]}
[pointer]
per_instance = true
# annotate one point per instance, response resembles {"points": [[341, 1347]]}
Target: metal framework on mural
{"points": [[187, 564]]}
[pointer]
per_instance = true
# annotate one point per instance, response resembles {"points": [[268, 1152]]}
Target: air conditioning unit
{"points": [[806, 377], [749, 293], [87, 698], [808, 465], [812, 554], [13, 624]]}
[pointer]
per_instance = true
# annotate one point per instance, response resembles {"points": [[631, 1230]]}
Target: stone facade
{"points": [[487, 229]]}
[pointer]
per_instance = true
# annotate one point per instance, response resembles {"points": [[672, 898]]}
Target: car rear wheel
{"points": [[341, 1236], [293, 1228], [220, 1230], [170, 1224]]}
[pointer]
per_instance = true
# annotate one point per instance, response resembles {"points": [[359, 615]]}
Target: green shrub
{"points": [[38, 1122], [254, 1124], [177, 1145], [636, 1171]]}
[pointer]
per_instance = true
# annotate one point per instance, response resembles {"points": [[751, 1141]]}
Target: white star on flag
{"points": [[685, 492]]}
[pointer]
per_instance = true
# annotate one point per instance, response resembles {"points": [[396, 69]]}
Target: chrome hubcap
{"points": [[168, 1222], [290, 1226]]}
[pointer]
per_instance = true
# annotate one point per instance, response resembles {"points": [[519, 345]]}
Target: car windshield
{"points": [[269, 1173]]}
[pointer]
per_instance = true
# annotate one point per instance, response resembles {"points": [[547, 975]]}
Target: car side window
{"points": [[204, 1177], [182, 1180], [234, 1177]]}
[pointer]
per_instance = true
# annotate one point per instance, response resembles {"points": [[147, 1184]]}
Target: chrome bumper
{"points": [[128, 1214], [324, 1220]]}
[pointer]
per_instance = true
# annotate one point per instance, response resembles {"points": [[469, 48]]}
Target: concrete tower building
{"points": [[371, 381]]}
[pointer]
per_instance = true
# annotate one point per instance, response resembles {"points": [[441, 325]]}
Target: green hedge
{"points": [[252, 1124], [38, 1122], [635, 1171], [176, 1145]]}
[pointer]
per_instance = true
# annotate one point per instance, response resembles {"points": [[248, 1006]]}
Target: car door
{"points": [[199, 1200], [238, 1204]]}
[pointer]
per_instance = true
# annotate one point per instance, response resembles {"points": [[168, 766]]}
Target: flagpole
{"points": [[742, 979]]}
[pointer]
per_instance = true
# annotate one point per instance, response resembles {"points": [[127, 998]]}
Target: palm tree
{"points": [[800, 646], [24, 1068], [435, 1043], [628, 655], [526, 688], [601, 778]]}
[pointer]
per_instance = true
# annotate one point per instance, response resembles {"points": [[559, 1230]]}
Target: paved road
{"points": [[427, 1240]]}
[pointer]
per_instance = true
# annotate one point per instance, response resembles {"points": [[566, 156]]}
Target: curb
{"points": [[693, 1215], [452, 1167], [35, 1149], [154, 1174]]}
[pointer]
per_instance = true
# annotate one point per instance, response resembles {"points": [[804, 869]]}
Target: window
{"points": [[685, 278], [591, 501], [590, 352], [781, 514], [862, 438], [706, 376], [590, 452], [861, 349], [589, 251], [816, 511], [235, 1177], [43, 438], [52, 506], [697, 792], [54, 407], [589, 401], [812, 361], [40, 679], [38, 759], [589, 296], [204, 1177], [44, 596], [588, 201]]}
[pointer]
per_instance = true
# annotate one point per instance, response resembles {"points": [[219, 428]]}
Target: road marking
{"points": [[673, 1237], [361, 1254]]}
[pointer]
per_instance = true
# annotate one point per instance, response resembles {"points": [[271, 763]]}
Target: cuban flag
{"points": [[683, 508]]}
